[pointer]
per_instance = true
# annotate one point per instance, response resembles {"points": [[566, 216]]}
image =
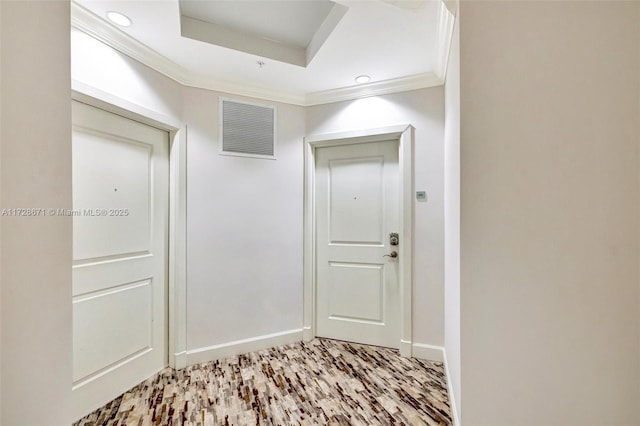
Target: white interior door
{"points": [[357, 208], [120, 229]]}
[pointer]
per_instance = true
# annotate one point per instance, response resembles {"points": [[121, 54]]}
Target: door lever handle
{"points": [[392, 255]]}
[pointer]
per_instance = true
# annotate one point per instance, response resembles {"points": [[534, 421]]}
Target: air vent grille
{"points": [[247, 129]]}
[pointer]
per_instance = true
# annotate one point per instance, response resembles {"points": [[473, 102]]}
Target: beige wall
{"points": [[0, 206], [36, 251], [549, 213]]}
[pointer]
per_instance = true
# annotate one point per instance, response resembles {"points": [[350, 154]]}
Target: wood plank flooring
{"points": [[322, 382]]}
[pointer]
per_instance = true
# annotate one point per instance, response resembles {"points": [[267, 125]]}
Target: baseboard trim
{"points": [[179, 360], [405, 349], [307, 334], [430, 352], [438, 353], [452, 396], [238, 347]]}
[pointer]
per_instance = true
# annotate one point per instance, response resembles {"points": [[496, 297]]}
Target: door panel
{"points": [[123, 185], [356, 219], [129, 333], [364, 283], [357, 287], [120, 230]]}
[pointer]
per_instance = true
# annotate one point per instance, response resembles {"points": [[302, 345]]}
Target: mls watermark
{"points": [[35, 212]]}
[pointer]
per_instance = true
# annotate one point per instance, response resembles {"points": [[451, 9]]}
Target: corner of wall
{"points": [[429, 352], [453, 402], [452, 350], [238, 347], [1, 310], [452, 5], [638, 153], [439, 354]]}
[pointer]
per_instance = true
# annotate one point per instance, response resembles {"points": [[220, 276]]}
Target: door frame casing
{"points": [[176, 301], [404, 134]]}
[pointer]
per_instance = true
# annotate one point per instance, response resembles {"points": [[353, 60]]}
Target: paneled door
{"points": [[120, 230], [357, 208]]}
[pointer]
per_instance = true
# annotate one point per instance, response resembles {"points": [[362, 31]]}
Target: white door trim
{"points": [[177, 273], [405, 136]]}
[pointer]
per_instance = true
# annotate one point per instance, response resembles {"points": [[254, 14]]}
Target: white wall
{"points": [[244, 216], [424, 109], [245, 229], [36, 251], [101, 67], [549, 213], [452, 219]]}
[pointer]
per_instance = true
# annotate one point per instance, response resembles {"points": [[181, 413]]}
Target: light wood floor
{"points": [[322, 382]]}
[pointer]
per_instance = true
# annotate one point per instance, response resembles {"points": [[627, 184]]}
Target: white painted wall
{"points": [[99, 66], [101, 72], [244, 217], [452, 220], [549, 213], [35, 168], [424, 109], [244, 234]]}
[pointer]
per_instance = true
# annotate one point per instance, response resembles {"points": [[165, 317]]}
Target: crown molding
{"points": [[444, 34], [452, 5], [403, 84], [202, 82], [91, 24], [96, 27]]}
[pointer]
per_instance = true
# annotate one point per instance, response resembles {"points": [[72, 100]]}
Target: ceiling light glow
{"points": [[119, 19], [363, 79]]}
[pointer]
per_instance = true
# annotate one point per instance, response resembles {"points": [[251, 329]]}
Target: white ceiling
{"points": [[268, 19], [401, 44], [287, 31]]}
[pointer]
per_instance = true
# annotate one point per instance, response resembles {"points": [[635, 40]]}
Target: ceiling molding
{"points": [[444, 36], [201, 82], [403, 84], [452, 5], [91, 24]]}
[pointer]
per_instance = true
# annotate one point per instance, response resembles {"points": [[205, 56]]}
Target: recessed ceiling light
{"points": [[363, 79], [119, 19]]}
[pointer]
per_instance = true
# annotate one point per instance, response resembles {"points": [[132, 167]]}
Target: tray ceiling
{"points": [[303, 52]]}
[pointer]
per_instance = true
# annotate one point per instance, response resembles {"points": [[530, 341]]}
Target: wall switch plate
{"points": [[421, 195]]}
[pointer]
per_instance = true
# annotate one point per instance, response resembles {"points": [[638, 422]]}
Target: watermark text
{"points": [[59, 212]]}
